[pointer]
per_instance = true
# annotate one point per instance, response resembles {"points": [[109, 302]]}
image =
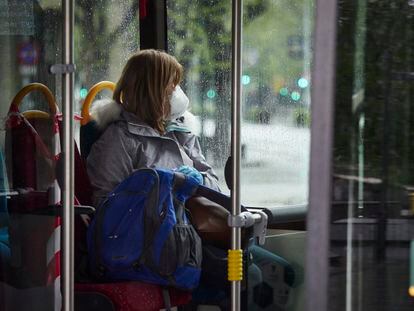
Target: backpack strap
{"points": [[151, 215], [184, 186], [179, 181]]}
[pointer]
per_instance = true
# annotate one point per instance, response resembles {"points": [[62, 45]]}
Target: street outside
{"points": [[275, 167]]}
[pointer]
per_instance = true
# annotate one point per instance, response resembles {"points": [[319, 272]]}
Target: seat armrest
{"points": [[36, 203]]}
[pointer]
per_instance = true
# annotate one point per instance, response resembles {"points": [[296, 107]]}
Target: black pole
{"points": [[153, 24]]}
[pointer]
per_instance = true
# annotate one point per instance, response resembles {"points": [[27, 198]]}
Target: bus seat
{"points": [[30, 164], [131, 296], [89, 132]]}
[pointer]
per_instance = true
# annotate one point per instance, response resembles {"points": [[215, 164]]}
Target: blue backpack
{"points": [[141, 232]]}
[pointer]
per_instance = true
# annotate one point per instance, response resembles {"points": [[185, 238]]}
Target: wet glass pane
{"points": [[199, 36], [106, 34], [276, 85], [372, 217], [275, 81], [30, 41]]}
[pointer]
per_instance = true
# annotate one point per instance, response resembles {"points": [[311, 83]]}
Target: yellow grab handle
{"points": [[86, 117], [235, 265], [35, 114], [34, 87]]}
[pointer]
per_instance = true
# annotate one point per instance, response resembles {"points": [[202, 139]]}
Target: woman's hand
{"points": [[192, 172]]}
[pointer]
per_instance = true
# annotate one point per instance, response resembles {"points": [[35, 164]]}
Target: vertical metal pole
{"points": [[68, 158], [235, 136], [382, 212], [318, 220]]}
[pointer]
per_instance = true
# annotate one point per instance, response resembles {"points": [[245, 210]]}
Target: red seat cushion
{"points": [[135, 296]]}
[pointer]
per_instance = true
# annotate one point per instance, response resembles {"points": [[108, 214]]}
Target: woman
{"points": [[144, 126]]}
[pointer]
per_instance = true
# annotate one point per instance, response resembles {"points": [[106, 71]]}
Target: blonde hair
{"points": [[145, 85]]}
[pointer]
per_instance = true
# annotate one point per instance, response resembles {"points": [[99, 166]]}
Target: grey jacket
{"points": [[128, 144]]}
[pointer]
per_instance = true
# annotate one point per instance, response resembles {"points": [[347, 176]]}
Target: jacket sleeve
{"points": [[109, 162], [193, 149]]}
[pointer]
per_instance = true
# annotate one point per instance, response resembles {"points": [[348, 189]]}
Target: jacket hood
{"points": [[106, 111]]}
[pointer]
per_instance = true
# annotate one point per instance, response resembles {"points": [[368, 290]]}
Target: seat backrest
{"points": [[32, 147], [89, 132]]}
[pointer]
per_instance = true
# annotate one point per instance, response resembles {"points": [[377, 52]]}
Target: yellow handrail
{"points": [[35, 114], [17, 100], [86, 117]]}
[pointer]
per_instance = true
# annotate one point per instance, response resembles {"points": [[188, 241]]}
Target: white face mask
{"points": [[179, 103]]}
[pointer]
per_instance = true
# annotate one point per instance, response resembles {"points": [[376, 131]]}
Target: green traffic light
{"points": [[211, 93], [245, 79], [303, 83], [295, 96], [283, 91], [83, 92]]}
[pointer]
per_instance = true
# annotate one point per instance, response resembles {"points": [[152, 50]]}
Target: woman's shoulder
{"points": [[118, 127], [114, 135]]}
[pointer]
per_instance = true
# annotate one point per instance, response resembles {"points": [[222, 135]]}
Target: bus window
{"points": [[275, 86], [30, 41], [372, 224], [276, 102], [199, 35], [106, 35], [275, 136]]}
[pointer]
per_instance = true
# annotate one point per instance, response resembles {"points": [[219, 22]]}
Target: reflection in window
{"points": [[372, 217], [30, 42]]}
